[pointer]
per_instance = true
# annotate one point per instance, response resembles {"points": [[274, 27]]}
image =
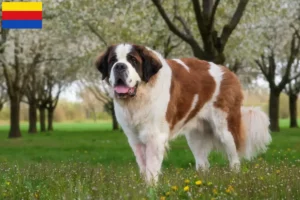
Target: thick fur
{"points": [[257, 133], [182, 96]]}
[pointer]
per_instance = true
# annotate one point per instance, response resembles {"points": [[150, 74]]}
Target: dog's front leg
{"points": [[155, 149], [139, 150]]}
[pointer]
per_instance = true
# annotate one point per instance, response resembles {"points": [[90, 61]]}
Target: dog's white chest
{"points": [[134, 116]]}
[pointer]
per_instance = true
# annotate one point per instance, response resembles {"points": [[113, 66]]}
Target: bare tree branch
{"points": [[184, 24], [100, 95], [262, 67], [294, 51], [228, 29], [207, 8], [212, 16], [294, 77], [93, 30], [171, 26], [199, 18], [181, 20], [168, 47], [7, 76], [16, 65], [48, 60]]}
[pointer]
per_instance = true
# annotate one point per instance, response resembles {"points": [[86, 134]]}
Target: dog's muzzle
{"points": [[121, 88]]}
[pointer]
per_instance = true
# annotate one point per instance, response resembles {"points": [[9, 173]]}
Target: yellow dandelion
{"points": [[162, 198], [7, 183], [215, 191], [229, 189], [187, 181], [186, 188], [174, 188], [198, 183], [168, 194], [36, 195]]}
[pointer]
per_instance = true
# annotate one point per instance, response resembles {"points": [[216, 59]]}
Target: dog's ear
{"points": [[102, 63], [151, 63]]}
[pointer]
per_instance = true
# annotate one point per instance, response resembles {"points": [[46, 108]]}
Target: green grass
{"points": [[89, 161]]}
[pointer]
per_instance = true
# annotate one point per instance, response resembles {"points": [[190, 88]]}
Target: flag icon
{"points": [[22, 15]]}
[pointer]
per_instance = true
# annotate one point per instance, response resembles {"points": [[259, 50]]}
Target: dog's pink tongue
{"points": [[121, 89]]}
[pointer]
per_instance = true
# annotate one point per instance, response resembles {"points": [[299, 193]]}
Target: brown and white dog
{"points": [[157, 99]]}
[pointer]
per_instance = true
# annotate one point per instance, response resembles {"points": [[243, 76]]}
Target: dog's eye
{"points": [[132, 60], [113, 59]]}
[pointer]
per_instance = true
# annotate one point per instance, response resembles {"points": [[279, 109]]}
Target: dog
{"points": [[157, 99]]}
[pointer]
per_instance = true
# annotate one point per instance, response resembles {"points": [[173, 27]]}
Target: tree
{"points": [[293, 90], [91, 104], [55, 78], [271, 69], [31, 90], [16, 72], [100, 92], [31, 95], [42, 104], [3, 94], [213, 45], [53, 97], [3, 90]]}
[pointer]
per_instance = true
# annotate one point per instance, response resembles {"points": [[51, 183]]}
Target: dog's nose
{"points": [[120, 67]]}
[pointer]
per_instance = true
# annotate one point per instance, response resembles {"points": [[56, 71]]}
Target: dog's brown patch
{"points": [[185, 85], [230, 101]]}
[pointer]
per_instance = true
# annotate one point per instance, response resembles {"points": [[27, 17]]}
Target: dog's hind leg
{"points": [[224, 136], [200, 141]]}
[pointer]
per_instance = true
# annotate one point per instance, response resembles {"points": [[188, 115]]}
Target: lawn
{"points": [[89, 161]]}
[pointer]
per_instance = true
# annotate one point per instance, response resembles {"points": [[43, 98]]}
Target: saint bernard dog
{"points": [[156, 99]]}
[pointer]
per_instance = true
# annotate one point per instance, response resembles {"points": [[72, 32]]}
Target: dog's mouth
{"points": [[122, 90]]}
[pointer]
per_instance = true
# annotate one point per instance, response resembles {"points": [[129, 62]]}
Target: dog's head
{"points": [[125, 66]]}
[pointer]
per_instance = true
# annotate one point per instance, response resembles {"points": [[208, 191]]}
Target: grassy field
{"points": [[89, 161]]}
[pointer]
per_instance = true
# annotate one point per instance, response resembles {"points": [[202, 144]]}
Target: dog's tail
{"points": [[256, 127]]}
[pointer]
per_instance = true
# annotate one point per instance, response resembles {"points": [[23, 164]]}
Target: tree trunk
{"points": [[114, 119], [14, 131], [42, 119], [50, 119], [32, 117], [293, 110], [274, 110]]}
